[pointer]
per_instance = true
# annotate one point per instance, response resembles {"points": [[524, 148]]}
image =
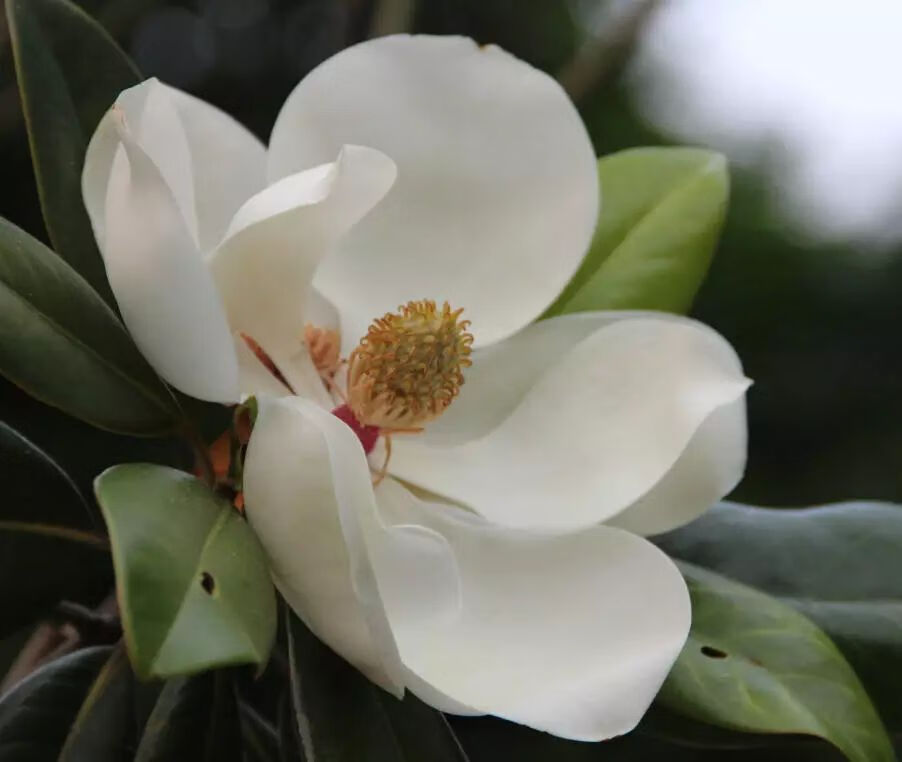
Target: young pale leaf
{"points": [[35, 716], [192, 579], [661, 214], [70, 72], [754, 664], [838, 564], [42, 516], [103, 730], [342, 717], [63, 345]]}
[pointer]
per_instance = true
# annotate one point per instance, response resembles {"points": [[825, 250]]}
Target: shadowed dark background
{"points": [[816, 325]]}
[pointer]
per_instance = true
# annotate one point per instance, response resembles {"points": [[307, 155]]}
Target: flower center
{"points": [[409, 366]]}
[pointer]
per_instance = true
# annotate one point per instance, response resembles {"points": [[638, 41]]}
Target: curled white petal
{"points": [[497, 193], [572, 634], [265, 265], [210, 163], [309, 498], [164, 292], [588, 433]]}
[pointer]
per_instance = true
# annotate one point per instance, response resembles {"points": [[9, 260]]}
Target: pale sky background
{"points": [[808, 89]]}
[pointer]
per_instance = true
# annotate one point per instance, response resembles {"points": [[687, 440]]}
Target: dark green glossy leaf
{"points": [[839, 564], [755, 664], [63, 345], [191, 576], [35, 716], [193, 719], [260, 738], [43, 516], [661, 214], [342, 716], [290, 746], [70, 72], [487, 739], [103, 730]]}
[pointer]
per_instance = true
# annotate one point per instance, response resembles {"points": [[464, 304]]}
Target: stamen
{"points": [[324, 346], [408, 368]]}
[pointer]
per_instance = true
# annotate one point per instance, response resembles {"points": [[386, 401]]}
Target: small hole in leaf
{"points": [[713, 653], [207, 583]]}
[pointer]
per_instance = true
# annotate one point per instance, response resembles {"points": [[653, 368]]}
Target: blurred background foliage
{"points": [[817, 325]]}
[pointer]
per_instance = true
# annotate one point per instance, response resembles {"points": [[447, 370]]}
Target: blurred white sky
{"points": [[811, 88]]}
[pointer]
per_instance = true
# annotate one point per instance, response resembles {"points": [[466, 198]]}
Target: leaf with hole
{"points": [[192, 579], [43, 516], [662, 210], [838, 564], [103, 730], [340, 715], [70, 71], [61, 343], [35, 716], [754, 664]]}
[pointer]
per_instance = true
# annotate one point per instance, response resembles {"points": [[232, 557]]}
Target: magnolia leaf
{"points": [[103, 729], [661, 214], [191, 577], [839, 564], [487, 739], [63, 345], [754, 664], [261, 739], [290, 745], [70, 71], [43, 516], [35, 716], [195, 719], [341, 716]]}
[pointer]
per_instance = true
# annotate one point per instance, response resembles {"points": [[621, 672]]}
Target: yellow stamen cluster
{"points": [[408, 367]]}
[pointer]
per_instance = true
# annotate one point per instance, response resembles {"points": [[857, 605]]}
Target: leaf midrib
{"points": [[215, 530], [648, 211]]}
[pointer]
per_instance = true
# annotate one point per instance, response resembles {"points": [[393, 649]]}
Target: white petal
{"points": [[210, 162], [228, 164], [165, 294], [589, 436], [310, 500], [497, 195], [265, 265], [708, 469], [254, 377], [571, 634]]}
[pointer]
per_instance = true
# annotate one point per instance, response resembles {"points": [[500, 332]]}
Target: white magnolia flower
{"points": [[500, 567]]}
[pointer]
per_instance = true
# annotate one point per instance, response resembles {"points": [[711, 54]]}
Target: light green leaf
{"points": [[191, 577], [839, 564], [661, 214], [755, 664], [70, 72], [342, 717], [63, 345], [35, 716], [103, 729], [43, 516]]}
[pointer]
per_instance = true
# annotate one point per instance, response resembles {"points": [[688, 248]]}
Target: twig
{"points": [[392, 17], [600, 58]]}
